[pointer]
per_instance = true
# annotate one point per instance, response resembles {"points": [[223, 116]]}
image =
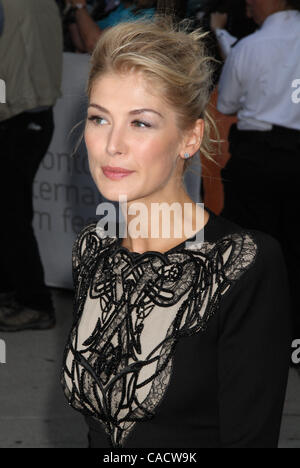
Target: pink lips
{"points": [[115, 173]]}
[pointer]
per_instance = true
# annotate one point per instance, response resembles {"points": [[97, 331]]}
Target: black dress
{"points": [[185, 349]]}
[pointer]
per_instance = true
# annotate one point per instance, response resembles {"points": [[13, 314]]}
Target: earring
{"points": [[186, 155]]}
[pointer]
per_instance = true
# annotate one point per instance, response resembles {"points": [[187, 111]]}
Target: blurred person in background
{"points": [[215, 16], [98, 9], [32, 33], [261, 179], [178, 9], [219, 22], [85, 28]]}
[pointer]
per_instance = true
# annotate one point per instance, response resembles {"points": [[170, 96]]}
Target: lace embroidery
{"points": [[130, 311]]}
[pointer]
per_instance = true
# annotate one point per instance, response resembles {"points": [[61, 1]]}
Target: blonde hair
{"points": [[169, 55]]}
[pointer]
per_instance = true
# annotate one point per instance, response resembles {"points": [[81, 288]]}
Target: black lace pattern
{"points": [[130, 311]]}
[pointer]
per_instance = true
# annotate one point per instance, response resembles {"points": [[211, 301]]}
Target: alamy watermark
{"points": [[2, 92], [160, 217], [296, 353], [296, 93], [2, 352]]}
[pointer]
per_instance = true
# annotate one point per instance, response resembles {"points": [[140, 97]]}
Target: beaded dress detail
{"points": [[130, 310]]}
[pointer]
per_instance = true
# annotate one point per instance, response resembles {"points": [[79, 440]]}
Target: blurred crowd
{"points": [[80, 36]]}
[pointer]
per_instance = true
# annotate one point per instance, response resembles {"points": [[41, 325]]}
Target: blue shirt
{"points": [[122, 14]]}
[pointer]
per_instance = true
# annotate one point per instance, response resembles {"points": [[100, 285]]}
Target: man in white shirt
{"points": [[262, 178], [258, 74]]}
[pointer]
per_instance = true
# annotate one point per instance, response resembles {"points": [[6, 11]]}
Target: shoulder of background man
{"points": [[249, 41], [32, 6]]}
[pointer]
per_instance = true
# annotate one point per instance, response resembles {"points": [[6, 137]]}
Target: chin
{"points": [[113, 193]]}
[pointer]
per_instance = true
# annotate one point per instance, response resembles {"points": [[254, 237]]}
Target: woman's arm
{"points": [[254, 352], [76, 38], [89, 31]]}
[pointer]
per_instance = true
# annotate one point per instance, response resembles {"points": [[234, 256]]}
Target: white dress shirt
{"points": [[259, 73], [225, 40]]}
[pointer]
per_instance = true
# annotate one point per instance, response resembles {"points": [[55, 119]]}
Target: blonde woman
{"points": [[174, 343]]}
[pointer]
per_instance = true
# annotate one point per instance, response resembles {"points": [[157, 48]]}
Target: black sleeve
{"points": [[254, 351]]}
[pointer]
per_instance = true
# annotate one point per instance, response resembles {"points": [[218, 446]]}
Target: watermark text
{"points": [[2, 92], [296, 352], [296, 93], [154, 221], [2, 352]]}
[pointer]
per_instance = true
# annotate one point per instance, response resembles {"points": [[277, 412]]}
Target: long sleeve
{"points": [[254, 352], [225, 40]]}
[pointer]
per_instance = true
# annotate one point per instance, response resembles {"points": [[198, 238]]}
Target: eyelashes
{"points": [[94, 118], [136, 123], [141, 122]]}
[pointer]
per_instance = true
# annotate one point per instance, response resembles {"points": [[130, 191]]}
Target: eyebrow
{"points": [[133, 112]]}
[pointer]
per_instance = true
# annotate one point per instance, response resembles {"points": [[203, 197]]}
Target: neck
{"points": [[165, 229]]}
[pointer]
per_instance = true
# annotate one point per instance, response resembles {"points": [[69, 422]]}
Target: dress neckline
{"points": [[177, 247]]}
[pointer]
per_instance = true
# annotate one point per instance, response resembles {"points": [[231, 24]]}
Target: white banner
{"points": [[65, 195]]}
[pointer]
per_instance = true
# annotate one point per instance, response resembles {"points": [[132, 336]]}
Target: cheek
{"points": [[92, 141], [92, 146], [158, 153]]}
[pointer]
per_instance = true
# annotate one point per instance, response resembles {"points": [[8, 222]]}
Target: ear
{"points": [[193, 138]]}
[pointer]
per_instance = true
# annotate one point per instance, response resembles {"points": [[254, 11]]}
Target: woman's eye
{"points": [[140, 124], [97, 120]]}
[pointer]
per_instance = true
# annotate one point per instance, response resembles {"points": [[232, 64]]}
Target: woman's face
{"points": [[131, 128]]}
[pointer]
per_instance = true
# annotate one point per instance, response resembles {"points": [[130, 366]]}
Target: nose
{"points": [[116, 142]]}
